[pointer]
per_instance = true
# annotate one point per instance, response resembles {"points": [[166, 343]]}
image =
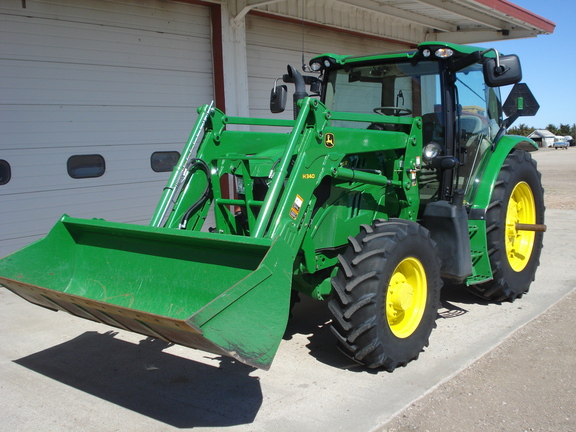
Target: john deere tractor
{"points": [[394, 175]]}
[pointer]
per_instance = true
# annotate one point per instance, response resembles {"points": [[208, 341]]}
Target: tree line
{"points": [[562, 130]]}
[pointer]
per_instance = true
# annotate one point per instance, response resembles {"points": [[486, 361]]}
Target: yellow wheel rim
{"points": [[406, 297], [521, 209]]}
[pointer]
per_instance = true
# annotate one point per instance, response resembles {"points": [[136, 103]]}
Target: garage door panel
{"points": [[27, 224], [289, 36], [56, 83], [273, 62], [76, 126], [66, 42], [165, 16], [46, 169], [118, 78], [272, 44]]}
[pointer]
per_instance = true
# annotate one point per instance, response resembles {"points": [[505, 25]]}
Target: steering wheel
{"points": [[391, 110]]}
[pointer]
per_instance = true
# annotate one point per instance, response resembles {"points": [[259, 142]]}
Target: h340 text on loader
{"points": [[394, 175]]}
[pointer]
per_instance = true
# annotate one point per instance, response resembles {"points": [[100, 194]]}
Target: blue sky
{"points": [[548, 63]]}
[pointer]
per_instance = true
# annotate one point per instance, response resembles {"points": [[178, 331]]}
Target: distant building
{"points": [[543, 137]]}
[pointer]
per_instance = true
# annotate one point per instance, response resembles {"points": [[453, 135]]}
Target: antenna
{"points": [[305, 67]]}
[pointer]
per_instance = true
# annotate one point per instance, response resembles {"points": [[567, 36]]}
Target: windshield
{"points": [[478, 120], [415, 90], [390, 89], [479, 104]]}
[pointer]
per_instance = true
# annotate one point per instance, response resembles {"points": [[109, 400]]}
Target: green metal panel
{"points": [[489, 170], [491, 167], [224, 294], [481, 269], [459, 50]]}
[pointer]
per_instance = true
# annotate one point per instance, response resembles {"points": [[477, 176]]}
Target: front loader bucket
{"points": [[224, 294]]}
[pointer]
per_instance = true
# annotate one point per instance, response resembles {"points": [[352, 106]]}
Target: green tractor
{"points": [[393, 176]]}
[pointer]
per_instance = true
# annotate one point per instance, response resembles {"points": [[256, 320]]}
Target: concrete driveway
{"points": [[62, 373]]}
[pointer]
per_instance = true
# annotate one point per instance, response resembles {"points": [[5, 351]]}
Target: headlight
{"points": [[444, 53], [431, 151], [320, 63], [316, 66]]}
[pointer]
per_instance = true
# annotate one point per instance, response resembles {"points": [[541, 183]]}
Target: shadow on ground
{"points": [[457, 293], [312, 318], [156, 384]]}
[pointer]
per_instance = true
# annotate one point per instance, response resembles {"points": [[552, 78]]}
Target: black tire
{"points": [[364, 294], [512, 272]]}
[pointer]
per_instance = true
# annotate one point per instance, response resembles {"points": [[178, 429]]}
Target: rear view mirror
{"points": [[503, 70], [278, 97]]}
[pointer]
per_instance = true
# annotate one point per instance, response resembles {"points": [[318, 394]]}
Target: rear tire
{"points": [[386, 294], [517, 197]]}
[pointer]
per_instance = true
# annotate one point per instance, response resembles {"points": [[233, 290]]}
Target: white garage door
{"points": [[107, 83], [272, 44]]}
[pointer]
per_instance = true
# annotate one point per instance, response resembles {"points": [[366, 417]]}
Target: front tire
{"points": [[386, 294], [517, 197]]}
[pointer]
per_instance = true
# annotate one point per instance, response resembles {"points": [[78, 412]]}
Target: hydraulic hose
{"points": [[197, 163]]}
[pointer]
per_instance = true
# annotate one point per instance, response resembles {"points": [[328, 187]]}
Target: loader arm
{"points": [[223, 289]]}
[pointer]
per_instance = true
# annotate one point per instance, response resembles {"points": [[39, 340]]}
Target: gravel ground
{"points": [[558, 177], [528, 383]]}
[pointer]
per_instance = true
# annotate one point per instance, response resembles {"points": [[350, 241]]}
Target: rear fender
{"points": [[482, 270], [505, 145]]}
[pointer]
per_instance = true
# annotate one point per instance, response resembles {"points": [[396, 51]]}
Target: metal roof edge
{"points": [[518, 12]]}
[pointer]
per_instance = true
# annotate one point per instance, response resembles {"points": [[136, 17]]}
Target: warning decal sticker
{"points": [[296, 207], [329, 140]]}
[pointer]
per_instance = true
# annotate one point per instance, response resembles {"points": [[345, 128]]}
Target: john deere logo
{"points": [[329, 140]]}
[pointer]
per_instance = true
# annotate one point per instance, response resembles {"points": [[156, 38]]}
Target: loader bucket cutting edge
{"points": [[222, 294]]}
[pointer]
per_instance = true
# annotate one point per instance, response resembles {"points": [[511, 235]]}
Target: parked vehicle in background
{"points": [[561, 144]]}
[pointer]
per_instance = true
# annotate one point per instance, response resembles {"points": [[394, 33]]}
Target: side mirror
{"points": [[278, 97], [501, 71]]}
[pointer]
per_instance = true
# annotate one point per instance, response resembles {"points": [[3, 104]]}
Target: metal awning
{"points": [[414, 21]]}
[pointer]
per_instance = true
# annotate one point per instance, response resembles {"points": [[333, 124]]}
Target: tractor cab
{"points": [[454, 89]]}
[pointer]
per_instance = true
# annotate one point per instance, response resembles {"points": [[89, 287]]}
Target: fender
{"points": [[482, 270], [493, 164]]}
